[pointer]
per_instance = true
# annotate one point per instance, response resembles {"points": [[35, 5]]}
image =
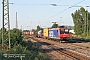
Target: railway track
{"points": [[85, 50], [63, 51], [73, 45], [54, 55], [77, 46]]}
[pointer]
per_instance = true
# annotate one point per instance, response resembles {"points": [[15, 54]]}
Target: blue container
{"points": [[53, 33]]}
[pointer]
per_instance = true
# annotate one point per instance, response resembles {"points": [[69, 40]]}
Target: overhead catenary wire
{"points": [[66, 9], [36, 4], [52, 9], [49, 5], [28, 4]]}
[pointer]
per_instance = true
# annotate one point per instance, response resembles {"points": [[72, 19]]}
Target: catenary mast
{"points": [[5, 22]]}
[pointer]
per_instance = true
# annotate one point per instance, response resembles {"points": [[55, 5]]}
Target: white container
{"points": [[30, 33]]}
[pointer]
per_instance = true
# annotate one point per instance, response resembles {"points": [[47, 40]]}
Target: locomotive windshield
{"points": [[61, 31], [64, 31]]}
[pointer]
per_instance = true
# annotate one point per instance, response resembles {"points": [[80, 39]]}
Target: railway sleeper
{"points": [[80, 57], [69, 55]]}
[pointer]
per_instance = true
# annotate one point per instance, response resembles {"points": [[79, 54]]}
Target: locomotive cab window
{"points": [[66, 31], [61, 31]]}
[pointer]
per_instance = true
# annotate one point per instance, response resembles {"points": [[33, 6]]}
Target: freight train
{"points": [[28, 33], [54, 33]]}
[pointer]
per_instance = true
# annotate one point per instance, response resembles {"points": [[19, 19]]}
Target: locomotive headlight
{"points": [[66, 30]]}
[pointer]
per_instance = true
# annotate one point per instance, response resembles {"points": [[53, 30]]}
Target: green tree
{"points": [[54, 25], [25, 30], [30, 50], [33, 30], [79, 18], [19, 46], [38, 28], [16, 37]]}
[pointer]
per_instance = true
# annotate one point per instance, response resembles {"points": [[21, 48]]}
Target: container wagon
{"points": [[39, 34], [45, 33], [26, 33]]}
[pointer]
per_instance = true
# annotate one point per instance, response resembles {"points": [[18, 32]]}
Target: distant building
{"points": [[61, 27], [72, 31]]}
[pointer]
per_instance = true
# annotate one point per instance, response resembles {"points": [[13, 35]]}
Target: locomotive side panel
{"points": [[53, 33]]}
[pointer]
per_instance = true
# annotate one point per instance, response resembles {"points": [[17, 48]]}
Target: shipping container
{"points": [[53, 33], [40, 33], [30, 33], [27, 33], [45, 32]]}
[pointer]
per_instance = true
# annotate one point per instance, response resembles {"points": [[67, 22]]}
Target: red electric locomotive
{"points": [[59, 33]]}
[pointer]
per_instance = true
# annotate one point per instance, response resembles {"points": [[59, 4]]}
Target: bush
{"points": [[32, 52]]}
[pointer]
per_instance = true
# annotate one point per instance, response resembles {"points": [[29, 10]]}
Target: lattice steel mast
{"points": [[5, 22]]}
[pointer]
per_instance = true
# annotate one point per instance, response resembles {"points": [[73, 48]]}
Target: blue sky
{"points": [[32, 14]]}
